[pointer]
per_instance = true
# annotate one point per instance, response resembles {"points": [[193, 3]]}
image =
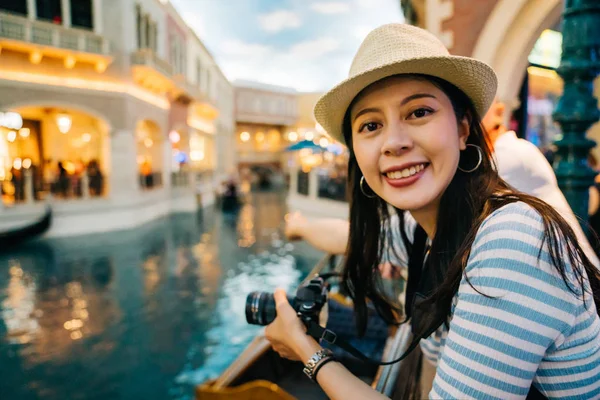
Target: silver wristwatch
{"points": [[309, 367]]}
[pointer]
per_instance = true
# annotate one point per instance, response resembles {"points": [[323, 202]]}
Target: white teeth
{"points": [[406, 172]]}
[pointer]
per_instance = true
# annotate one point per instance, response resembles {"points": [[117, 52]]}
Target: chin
{"points": [[413, 204]]}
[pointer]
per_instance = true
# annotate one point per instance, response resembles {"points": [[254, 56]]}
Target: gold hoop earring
{"points": [[362, 189], [480, 153]]}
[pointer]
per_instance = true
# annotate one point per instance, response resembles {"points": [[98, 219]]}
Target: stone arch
{"points": [[509, 36], [62, 105]]}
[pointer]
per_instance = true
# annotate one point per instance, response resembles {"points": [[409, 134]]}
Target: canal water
{"points": [[142, 314]]}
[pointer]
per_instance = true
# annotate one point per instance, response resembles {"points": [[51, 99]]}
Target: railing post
{"points": [[81, 45], [55, 37], [577, 109], [294, 180], [28, 31], [313, 184]]}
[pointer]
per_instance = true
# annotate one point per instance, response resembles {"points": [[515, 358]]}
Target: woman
{"points": [[510, 303]]}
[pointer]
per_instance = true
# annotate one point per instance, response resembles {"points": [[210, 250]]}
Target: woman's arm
{"points": [[327, 234], [335, 380]]}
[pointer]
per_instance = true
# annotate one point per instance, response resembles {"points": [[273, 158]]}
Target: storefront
{"points": [[53, 150], [540, 92]]}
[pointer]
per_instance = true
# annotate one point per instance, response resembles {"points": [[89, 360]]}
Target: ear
{"points": [[499, 108], [463, 131]]}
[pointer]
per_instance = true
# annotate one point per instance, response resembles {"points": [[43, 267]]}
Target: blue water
{"points": [[147, 313]]}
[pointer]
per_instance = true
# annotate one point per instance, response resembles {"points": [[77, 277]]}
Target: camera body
{"points": [[308, 302]]}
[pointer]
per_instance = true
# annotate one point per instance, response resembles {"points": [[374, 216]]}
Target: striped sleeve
{"points": [[508, 313]]}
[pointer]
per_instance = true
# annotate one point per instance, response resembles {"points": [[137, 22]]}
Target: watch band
{"points": [[309, 367], [320, 365]]}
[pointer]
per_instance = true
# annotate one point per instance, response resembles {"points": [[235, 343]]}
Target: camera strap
{"points": [[415, 266], [319, 333]]}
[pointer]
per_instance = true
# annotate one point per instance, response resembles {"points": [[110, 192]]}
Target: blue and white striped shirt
{"points": [[529, 327]]}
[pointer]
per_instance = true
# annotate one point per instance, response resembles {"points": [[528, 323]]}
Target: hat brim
{"points": [[475, 78]]}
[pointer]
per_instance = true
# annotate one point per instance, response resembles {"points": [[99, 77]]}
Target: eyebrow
{"points": [[403, 102]]}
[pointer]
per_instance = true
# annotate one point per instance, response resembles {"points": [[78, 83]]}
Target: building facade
{"points": [[114, 109], [264, 115]]}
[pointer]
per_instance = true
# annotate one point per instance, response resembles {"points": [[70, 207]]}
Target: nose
{"points": [[396, 140]]}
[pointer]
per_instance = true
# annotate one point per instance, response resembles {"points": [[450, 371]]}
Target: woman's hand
{"points": [[287, 333], [294, 226]]}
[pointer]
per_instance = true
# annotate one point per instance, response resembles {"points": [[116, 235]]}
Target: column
{"points": [[97, 16], [31, 10], [123, 174], [293, 180], [577, 110], [66, 13]]}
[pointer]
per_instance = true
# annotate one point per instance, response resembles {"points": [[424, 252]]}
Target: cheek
{"points": [[368, 161]]}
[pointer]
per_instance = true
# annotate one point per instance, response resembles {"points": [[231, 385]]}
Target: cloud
{"points": [[330, 7], [238, 48], [301, 66], [373, 4], [312, 49], [277, 21]]}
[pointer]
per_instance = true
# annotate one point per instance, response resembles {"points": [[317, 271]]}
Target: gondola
{"points": [[18, 235], [259, 372]]}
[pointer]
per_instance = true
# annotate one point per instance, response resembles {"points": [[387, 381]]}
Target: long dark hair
{"points": [[476, 195]]}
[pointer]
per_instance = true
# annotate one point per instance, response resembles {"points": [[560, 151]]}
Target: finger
{"points": [[280, 297]]}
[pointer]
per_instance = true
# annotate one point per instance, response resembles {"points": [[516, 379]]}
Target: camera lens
{"points": [[260, 308]]}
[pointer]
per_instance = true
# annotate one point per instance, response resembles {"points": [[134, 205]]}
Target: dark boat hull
{"points": [[13, 237]]}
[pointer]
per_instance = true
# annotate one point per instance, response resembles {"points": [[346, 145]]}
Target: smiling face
{"points": [[407, 141]]}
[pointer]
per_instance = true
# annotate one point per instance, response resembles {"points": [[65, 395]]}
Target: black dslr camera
{"points": [[308, 302]]}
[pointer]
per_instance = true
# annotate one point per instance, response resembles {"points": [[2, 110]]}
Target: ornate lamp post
{"points": [[577, 109]]}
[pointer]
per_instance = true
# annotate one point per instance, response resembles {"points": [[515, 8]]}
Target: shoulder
{"points": [[517, 216], [511, 246]]}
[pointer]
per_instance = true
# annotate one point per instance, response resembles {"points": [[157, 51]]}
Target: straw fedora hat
{"points": [[404, 49]]}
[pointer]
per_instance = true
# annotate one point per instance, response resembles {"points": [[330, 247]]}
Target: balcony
{"points": [[152, 72], [149, 59], [25, 35]]}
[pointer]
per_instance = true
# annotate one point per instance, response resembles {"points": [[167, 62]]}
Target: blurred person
{"points": [[62, 180], [146, 172], [522, 164], [18, 181], [49, 175], [506, 309], [96, 179]]}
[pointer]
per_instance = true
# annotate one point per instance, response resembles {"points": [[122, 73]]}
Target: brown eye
{"points": [[420, 113], [369, 127]]}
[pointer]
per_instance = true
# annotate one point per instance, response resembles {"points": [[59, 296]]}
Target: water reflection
{"points": [[19, 305], [144, 313]]}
